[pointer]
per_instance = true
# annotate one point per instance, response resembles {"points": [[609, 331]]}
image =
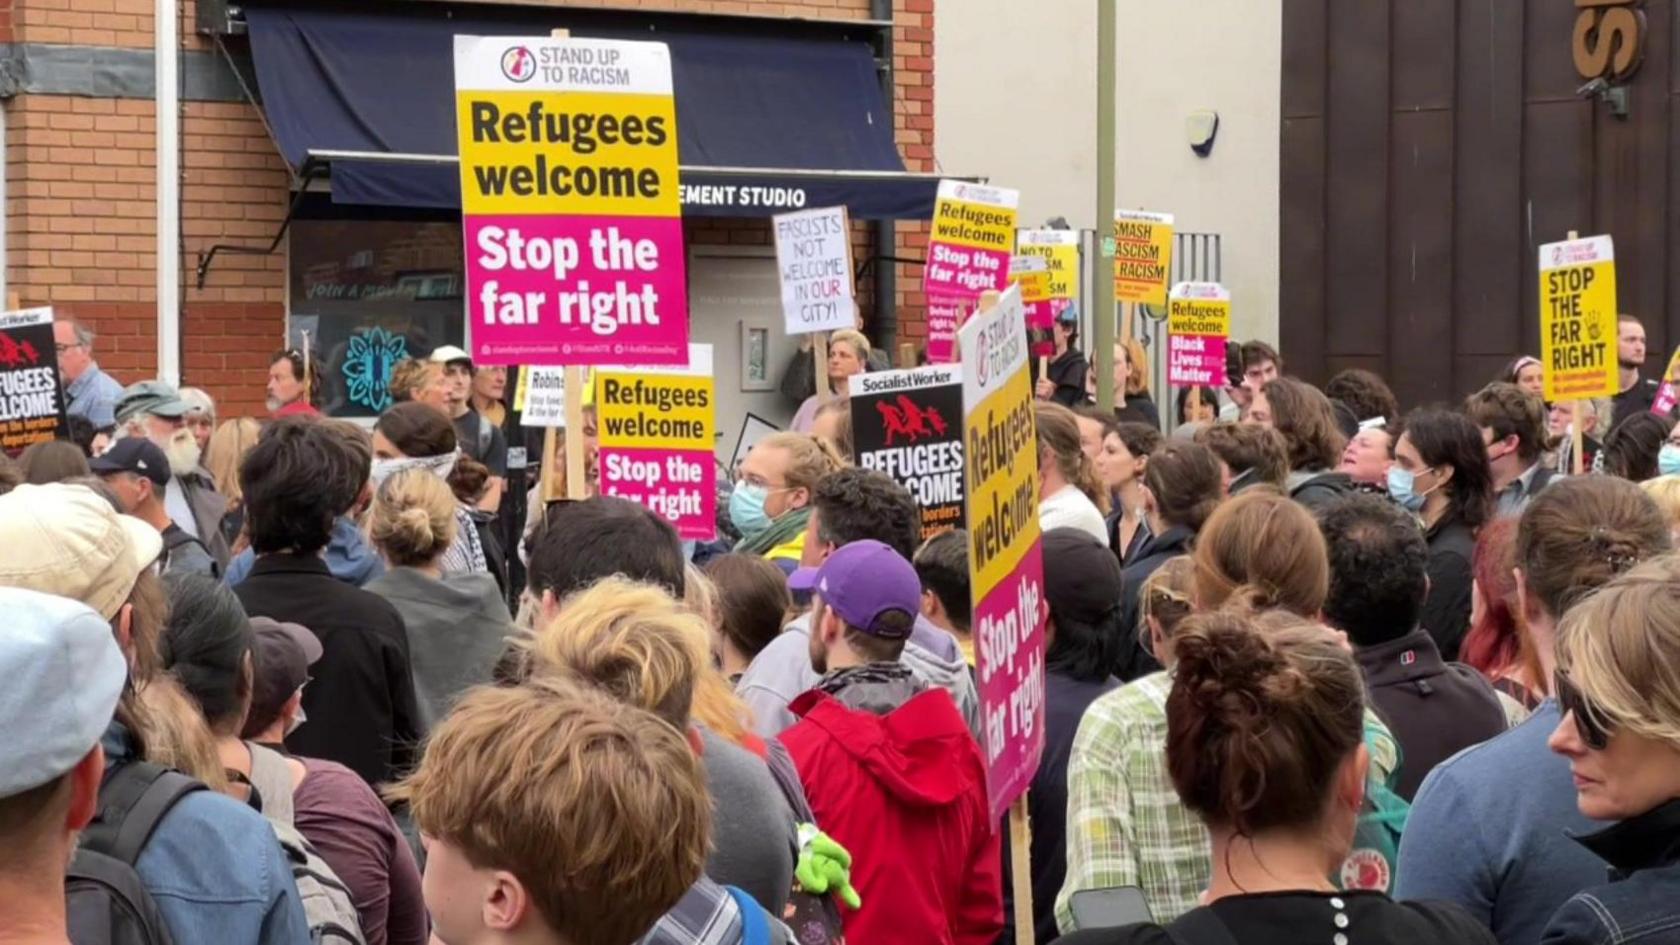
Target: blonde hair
{"points": [[1621, 649], [548, 774], [853, 338], [1167, 596], [228, 445], [177, 736], [412, 519], [411, 376], [1665, 491], [810, 458], [1137, 362], [630, 640]]}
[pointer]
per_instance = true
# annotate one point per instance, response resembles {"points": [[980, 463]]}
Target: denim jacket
{"points": [[349, 557], [215, 869], [1642, 902]]}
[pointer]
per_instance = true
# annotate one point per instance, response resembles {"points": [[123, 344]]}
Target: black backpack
{"points": [[105, 900]]}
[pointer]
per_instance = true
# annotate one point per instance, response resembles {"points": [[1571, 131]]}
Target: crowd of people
{"points": [[1313, 667]]}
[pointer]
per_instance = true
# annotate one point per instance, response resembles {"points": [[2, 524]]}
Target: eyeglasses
{"points": [[61, 348], [1587, 718]]}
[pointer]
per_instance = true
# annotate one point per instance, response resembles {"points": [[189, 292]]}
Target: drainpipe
{"points": [[166, 40], [5, 260], [886, 242]]}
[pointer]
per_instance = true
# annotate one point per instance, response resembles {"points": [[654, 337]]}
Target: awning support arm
{"points": [[311, 171]]}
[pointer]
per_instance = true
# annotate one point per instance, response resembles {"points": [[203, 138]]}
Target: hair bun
{"points": [[417, 523]]}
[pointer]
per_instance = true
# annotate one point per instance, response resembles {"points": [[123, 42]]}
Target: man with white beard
{"points": [[155, 410]]}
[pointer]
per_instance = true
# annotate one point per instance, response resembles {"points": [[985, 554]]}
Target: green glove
{"points": [[824, 866]]}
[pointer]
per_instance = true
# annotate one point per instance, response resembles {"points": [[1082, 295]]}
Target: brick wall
{"points": [[80, 208]]}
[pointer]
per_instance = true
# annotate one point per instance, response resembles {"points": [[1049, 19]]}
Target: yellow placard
{"points": [[1001, 451], [1142, 256], [974, 225], [1063, 260], [1034, 283], [654, 411], [573, 153], [1578, 319]]}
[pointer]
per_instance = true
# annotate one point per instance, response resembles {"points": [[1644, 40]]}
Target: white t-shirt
{"points": [[1067, 507], [180, 511]]}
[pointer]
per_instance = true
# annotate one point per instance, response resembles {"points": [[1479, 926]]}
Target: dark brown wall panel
{"points": [[1428, 148]]}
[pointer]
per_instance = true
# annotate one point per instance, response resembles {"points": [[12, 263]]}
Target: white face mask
{"points": [[440, 466], [297, 720]]}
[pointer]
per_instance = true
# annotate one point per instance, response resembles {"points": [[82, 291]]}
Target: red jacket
{"points": [[905, 793]]}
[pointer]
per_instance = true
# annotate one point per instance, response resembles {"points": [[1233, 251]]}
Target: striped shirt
{"points": [[1125, 823]]}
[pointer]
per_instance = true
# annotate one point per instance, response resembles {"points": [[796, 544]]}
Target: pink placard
{"points": [[944, 317], [576, 290], [1041, 330], [1196, 360], [964, 270], [1011, 679], [678, 485]]}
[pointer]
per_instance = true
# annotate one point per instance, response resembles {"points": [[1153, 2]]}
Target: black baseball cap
{"points": [[137, 455]]}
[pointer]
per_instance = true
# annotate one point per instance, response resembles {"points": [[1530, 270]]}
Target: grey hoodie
{"points": [[782, 670], [457, 629]]}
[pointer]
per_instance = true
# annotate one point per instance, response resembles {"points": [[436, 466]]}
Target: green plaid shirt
{"points": [[1125, 824]]}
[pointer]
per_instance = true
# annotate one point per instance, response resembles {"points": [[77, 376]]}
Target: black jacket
{"points": [[1641, 905], [1140, 408], [1316, 489], [1135, 661], [1446, 611], [1434, 708], [1639, 398], [360, 705]]}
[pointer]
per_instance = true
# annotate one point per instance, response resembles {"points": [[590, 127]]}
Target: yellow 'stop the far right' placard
{"points": [[1578, 318]]}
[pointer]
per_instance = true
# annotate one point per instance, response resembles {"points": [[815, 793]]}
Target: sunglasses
{"points": [[1572, 702]]}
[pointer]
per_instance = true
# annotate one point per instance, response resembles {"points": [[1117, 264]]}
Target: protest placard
{"points": [[1032, 274], [542, 396], [814, 263], [657, 427], [1578, 318], [569, 200], [1005, 560], [904, 424], [1198, 326], [1668, 395], [1142, 256], [968, 253], [1060, 250], [31, 400]]}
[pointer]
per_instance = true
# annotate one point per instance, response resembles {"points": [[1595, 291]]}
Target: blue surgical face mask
{"points": [[1668, 459], [1402, 485], [746, 508]]}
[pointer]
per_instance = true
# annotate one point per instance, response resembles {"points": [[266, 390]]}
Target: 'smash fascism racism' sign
{"points": [[569, 201], [1198, 325], [1005, 558], [1142, 256], [814, 264], [908, 425], [968, 253], [1578, 319], [31, 399], [657, 433]]}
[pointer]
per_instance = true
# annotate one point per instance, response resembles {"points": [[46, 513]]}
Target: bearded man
{"points": [[154, 410]]}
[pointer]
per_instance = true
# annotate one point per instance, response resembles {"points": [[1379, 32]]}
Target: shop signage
{"points": [[1609, 39], [657, 427], [905, 424], [1578, 319], [1198, 326], [1005, 560], [570, 203]]}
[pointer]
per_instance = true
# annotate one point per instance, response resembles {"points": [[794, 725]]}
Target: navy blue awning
{"points": [[764, 123]]}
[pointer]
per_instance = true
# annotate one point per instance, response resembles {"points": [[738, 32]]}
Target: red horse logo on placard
{"points": [[910, 421], [15, 355]]}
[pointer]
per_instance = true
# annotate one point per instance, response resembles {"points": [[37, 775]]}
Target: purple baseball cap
{"points": [[863, 580]]}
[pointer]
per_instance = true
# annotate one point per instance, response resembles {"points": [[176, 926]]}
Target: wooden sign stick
{"points": [[550, 455], [819, 361], [308, 377], [576, 486], [1577, 461], [1020, 868]]}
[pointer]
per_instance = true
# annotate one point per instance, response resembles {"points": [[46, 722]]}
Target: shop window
{"points": [[370, 293]]}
